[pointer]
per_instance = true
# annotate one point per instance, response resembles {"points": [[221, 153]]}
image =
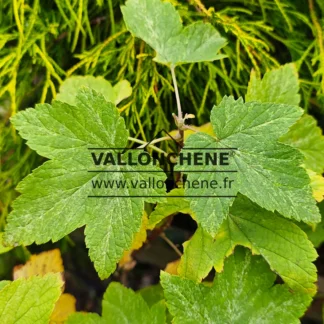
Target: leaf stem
{"points": [[136, 140], [175, 84], [157, 140]]}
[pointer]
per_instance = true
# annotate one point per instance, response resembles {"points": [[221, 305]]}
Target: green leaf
{"points": [[168, 207], [3, 249], [159, 25], [122, 90], [29, 301], [72, 85], [54, 200], [277, 86], [198, 257], [268, 172], [85, 318], [315, 234], [4, 283], [281, 242], [307, 137], [152, 294], [243, 293], [122, 305]]}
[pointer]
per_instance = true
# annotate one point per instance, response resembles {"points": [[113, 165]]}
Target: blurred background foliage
{"points": [[44, 42]]}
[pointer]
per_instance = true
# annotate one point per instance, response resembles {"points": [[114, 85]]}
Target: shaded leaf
{"points": [[4, 249], [64, 307], [122, 305]]}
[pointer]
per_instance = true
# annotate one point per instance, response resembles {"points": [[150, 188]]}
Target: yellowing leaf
{"points": [[317, 184], [172, 267], [40, 264], [29, 301], [138, 242], [64, 307]]}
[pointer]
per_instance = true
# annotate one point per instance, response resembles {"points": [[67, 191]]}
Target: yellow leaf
{"points": [[40, 264], [64, 307], [172, 267], [317, 184], [138, 242]]}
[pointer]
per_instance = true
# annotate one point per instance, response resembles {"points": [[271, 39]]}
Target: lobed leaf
{"points": [[55, 199], [268, 172], [277, 86], [307, 137], [281, 243], [159, 25], [243, 293]]}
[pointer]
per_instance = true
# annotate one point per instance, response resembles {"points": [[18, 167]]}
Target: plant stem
{"points": [[175, 84], [135, 140], [157, 140]]}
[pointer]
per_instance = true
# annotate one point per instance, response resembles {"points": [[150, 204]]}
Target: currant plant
{"points": [[273, 148]]}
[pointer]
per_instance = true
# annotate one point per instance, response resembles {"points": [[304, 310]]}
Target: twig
{"points": [[162, 235]]}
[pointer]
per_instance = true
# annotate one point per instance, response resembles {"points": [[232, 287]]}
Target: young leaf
{"points": [[159, 25], [29, 301], [243, 293], [277, 86], [268, 172], [281, 242], [122, 305], [54, 199], [72, 85]]}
